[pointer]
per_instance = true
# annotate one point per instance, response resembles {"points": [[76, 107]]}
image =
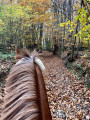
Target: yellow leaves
{"points": [[40, 1], [19, 12], [62, 24], [36, 1], [36, 42], [41, 18], [39, 6], [1, 22], [84, 56], [38, 10]]}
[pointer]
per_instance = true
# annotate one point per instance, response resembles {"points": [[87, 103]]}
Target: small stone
{"points": [[61, 114], [87, 117]]}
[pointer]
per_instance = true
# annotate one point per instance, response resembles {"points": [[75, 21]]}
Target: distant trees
{"points": [[53, 25], [22, 22], [74, 19]]}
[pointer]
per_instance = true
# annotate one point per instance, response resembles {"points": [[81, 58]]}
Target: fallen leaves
{"points": [[65, 92], [68, 97]]}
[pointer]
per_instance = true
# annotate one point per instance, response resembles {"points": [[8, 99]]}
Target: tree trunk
{"points": [[41, 35]]}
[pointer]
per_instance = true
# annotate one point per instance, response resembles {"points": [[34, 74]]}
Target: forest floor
{"points": [[68, 97]]}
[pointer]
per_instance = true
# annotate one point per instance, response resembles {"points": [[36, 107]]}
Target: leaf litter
{"points": [[69, 99]]}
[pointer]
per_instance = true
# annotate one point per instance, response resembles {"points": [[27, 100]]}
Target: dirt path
{"points": [[68, 97]]}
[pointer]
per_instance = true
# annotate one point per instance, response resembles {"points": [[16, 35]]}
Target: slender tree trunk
{"points": [[11, 26], [33, 35], [64, 9], [41, 35], [78, 46]]}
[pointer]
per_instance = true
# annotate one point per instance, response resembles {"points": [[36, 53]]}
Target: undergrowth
{"points": [[7, 56], [81, 73]]}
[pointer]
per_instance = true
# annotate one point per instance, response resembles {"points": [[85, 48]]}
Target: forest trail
{"points": [[68, 97]]}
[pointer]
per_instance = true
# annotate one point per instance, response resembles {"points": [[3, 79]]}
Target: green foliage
{"points": [[84, 32], [48, 45], [19, 22], [88, 86], [88, 1], [6, 56], [84, 24], [14, 23]]}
